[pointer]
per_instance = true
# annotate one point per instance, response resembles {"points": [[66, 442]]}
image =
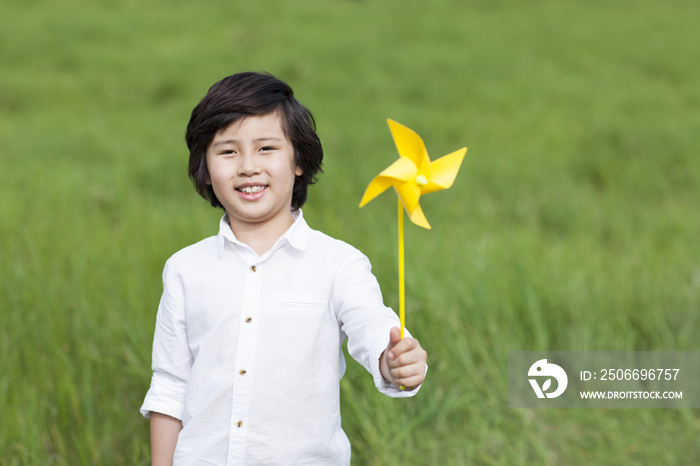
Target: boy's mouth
{"points": [[251, 189], [252, 192]]}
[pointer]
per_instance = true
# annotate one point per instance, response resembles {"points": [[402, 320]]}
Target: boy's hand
{"points": [[403, 361]]}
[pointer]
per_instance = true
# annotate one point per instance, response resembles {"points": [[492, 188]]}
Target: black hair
{"points": [[253, 94]]}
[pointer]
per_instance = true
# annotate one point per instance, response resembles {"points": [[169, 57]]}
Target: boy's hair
{"points": [[253, 94]]}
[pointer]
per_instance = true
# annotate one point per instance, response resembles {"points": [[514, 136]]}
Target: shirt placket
{"points": [[245, 358]]}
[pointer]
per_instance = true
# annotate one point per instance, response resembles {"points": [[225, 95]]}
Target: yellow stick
{"points": [[402, 289]]}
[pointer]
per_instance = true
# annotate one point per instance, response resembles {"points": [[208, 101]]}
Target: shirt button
{"points": [[242, 372], [253, 268], [239, 423], [248, 320]]}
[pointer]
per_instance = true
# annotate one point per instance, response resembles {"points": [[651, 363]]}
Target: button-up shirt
{"points": [[247, 348]]}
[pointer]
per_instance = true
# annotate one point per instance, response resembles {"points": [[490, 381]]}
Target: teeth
{"points": [[252, 189]]}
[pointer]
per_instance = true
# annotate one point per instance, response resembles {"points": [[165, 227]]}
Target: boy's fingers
{"points": [[411, 382], [407, 371], [394, 336], [402, 346], [394, 339], [406, 351], [409, 376], [408, 358]]}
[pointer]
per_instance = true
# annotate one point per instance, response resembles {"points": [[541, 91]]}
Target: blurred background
{"points": [[573, 223]]}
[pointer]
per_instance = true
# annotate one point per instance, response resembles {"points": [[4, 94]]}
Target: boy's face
{"points": [[251, 170]]}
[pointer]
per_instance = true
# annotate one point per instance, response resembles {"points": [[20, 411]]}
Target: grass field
{"points": [[573, 223]]}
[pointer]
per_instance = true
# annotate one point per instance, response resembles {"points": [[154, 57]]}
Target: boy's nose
{"points": [[248, 166]]}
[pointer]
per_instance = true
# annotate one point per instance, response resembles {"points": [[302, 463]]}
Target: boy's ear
{"points": [[207, 180], [298, 171]]}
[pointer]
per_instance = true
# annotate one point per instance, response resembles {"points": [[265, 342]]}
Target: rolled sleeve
{"points": [[172, 358], [165, 396], [364, 319]]}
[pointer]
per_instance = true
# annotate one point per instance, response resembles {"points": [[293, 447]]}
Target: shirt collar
{"points": [[296, 236]]}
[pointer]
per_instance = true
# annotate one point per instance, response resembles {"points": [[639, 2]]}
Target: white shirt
{"points": [[247, 348]]}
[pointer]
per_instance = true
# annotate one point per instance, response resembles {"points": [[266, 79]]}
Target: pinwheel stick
{"points": [[402, 285]]}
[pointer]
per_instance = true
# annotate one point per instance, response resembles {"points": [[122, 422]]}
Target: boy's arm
{"points": [[359, 307], [172, 362], [403, 362], [164, 432]]}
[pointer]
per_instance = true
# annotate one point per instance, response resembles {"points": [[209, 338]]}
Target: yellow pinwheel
{"points": [[413, 174]]}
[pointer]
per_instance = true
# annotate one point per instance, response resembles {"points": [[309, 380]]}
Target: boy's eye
{"points": [[267, 148]]}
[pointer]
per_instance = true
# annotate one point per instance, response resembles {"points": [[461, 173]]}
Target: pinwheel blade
{"points": [[418, 218], [445, 171], [409, 194], [402, 170], [377, 186], [398, 172], [409, 145]]}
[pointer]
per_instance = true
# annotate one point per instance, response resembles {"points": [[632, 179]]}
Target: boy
{"points": [[247, 353]]}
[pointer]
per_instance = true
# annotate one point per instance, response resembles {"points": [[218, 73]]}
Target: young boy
{"points": [[247, 353]]}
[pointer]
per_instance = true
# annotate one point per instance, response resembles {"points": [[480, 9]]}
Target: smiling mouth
{"points": [[251, 189]]}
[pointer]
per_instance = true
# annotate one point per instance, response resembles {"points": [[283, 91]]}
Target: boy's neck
{"points": [[260, 237]]}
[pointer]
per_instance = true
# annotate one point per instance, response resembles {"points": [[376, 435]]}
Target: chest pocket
{"points": [[301, 314]]}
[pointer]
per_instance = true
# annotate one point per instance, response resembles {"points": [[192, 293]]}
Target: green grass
{"points": [[572, 225]]}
